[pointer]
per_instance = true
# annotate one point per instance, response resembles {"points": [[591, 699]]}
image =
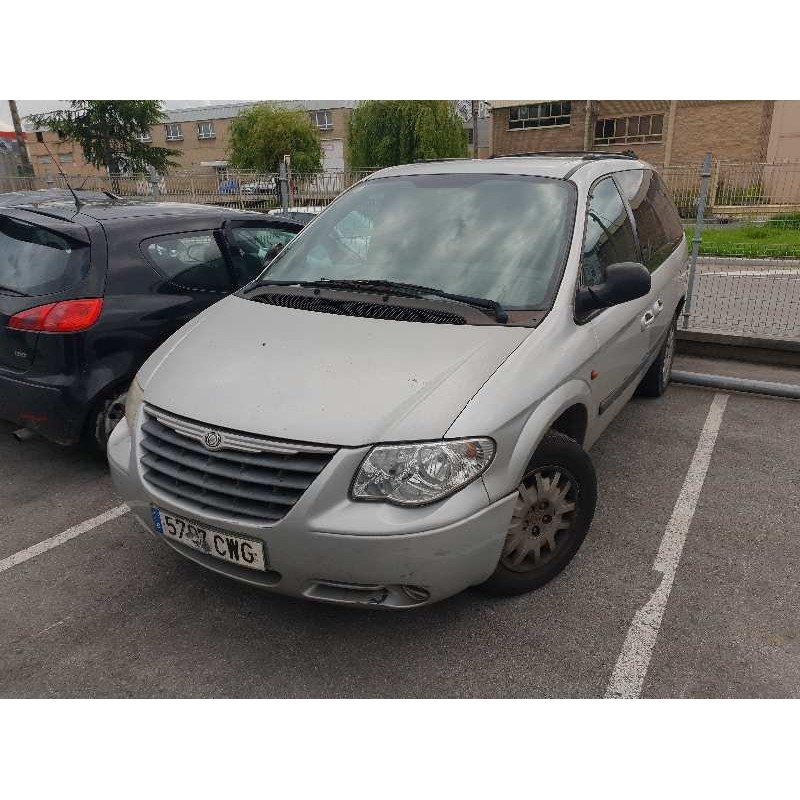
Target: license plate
{"points": [[224, 546]]}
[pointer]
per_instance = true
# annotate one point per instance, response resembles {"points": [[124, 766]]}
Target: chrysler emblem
{"points": [[212, 440]]}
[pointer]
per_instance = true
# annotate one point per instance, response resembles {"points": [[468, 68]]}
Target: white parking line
{"points": [[631, 667], [60, 538]]}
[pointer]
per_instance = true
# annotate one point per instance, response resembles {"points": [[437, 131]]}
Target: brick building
{"points": [[202, 135], [663, 132]]}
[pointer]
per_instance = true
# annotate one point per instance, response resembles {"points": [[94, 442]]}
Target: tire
{"points": [[657, 378], [560, 478], [107, 412]]}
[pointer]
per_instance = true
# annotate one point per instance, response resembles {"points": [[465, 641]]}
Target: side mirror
{"points": [[624, 282]]}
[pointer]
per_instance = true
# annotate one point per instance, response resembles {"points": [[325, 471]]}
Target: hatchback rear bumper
{"points": [[40, 407]]}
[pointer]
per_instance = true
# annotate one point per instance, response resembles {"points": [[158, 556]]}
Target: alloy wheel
{"points": [[543, 515]]}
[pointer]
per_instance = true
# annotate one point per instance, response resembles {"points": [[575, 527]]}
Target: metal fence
{"points": [[744, 220], [243, 189], [737, 192], [746, 279]]}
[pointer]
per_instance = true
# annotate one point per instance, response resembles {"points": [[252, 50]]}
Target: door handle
{"points": [[658, 307], [648, 318]]}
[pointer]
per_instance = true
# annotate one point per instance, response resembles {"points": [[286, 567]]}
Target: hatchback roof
{"points": [[111, 209], [35, 197]]}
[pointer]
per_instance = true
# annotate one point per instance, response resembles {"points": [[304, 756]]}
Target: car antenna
{"points": [[78, 203]]}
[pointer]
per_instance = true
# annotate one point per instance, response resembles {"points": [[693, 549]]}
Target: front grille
{"points": [[357, 308], [248, 478]]}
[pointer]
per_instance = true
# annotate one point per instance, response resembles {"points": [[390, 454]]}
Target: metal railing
{"points": [[750, 297], [745, 270], [745, 279], [240, 188], [736, 192]]}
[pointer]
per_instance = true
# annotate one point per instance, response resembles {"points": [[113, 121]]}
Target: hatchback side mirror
{"points": [[624, 282]]}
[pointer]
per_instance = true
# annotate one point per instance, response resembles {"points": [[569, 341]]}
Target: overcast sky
{"points": [[40, 106]]}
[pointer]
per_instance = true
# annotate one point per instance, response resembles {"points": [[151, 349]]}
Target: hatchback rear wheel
{"points": [[103, 419], [552, 514]]}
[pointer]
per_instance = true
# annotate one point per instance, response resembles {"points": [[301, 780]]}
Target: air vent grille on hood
{"points": [[357, 308]]}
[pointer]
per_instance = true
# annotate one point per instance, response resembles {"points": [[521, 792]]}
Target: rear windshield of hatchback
{"points": [[35, 260], [501, 237]]}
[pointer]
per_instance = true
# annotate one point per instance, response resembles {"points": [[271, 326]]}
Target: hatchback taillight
{"points": [[66, 316]]}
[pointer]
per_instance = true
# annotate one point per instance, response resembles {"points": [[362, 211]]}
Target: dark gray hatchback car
{"points": [[88, 291]]}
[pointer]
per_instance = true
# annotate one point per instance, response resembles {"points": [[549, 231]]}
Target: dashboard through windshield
{"points": [[500, 237]]}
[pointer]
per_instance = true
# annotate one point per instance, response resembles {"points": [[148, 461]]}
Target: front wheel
{"points": [[553, 511]]}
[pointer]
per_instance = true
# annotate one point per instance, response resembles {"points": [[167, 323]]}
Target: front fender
{"points": [[521, 436]]}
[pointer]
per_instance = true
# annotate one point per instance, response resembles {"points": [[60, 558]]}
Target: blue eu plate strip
{"points": [[156, 519]]}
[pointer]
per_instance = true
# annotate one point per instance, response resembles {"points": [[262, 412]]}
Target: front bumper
{"points": [[339, 551]]}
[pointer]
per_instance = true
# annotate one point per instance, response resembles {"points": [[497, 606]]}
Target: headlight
{"points": [[416, 474], [132, 402]]}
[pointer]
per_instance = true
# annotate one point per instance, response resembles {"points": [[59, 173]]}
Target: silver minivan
{"points": [[401, 405]]}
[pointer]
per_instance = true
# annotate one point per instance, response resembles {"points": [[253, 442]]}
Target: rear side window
{"points": [[191, 260], [35, 260], [253, 248], [657, 222], [609, 235]]}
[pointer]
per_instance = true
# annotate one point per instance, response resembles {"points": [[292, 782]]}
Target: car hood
{"points": [[325, 378]]}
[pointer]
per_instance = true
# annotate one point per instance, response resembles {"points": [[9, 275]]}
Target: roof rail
{"points": [[584, 155], [436, 160]]}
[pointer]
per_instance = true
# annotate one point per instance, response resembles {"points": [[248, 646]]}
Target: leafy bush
{"points": [[785, 221], [754, 232], [263, 134], [388, 132]]}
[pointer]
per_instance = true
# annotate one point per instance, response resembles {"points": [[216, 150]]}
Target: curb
{"points": [[756, 349]]}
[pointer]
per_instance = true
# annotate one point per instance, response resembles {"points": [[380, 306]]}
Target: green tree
{"points": [[110, 133], [388, 132], [263, 134]]}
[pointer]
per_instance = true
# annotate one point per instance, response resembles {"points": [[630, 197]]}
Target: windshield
{"points": [[500, 237]]}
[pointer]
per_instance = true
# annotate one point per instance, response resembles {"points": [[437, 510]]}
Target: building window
{"points": [[65, 158], [627, 130], [44, 159], [540, 115], [174, 132], [205, 130], [145, 137], [322, 119]]}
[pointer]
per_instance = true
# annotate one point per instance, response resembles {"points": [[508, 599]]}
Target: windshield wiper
{"points": [[15, 292], [397, 288], [415, 290]]}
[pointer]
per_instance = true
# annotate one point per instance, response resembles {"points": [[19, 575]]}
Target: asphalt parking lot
{"points": [[112, 613]]}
